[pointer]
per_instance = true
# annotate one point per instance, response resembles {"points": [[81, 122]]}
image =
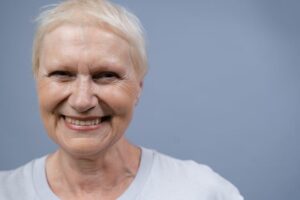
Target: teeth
{"points": [[83, 122]]}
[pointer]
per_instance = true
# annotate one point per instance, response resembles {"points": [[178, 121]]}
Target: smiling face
{"points": [[87, 88]]}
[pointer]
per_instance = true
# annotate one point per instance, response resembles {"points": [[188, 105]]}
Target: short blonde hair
{"points": [[93, 12]]}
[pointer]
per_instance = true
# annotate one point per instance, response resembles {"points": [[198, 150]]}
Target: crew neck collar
{"points": [[44, 192]]}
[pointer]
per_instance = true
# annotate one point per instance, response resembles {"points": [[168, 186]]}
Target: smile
{"points": [[85, 124], [81, 122]]}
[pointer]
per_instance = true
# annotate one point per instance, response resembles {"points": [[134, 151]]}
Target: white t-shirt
{"points": [[159, 177]]}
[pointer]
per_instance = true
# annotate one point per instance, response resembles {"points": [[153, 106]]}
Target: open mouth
{"points": [[90, 121]]}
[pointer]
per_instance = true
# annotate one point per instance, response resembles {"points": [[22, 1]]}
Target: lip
{"points": [[82, 128]]}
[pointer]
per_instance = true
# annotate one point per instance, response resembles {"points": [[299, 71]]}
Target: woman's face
{"points": [[87, 88]]}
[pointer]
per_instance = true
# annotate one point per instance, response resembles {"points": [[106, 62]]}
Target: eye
{"points": [[106, 76], [61, 75]]}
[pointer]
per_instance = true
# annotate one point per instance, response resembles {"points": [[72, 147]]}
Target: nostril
{"points": [[83, 98], [82, 104], [82, 108]]}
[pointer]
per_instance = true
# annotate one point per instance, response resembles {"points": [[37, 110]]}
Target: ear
{"points": [[141, 85]]}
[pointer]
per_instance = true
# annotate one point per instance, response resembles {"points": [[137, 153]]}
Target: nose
{"points": [[83, 98]]}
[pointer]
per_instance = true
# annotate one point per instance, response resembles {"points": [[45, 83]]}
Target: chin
{"points": [[84, 147]]}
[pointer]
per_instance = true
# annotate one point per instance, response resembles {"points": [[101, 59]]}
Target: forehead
{"points": [[92, 43], [67, 32]]}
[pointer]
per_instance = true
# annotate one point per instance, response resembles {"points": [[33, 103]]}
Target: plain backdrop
{"points": [[223, 88]]}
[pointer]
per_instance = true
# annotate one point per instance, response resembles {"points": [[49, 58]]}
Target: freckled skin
{"points": [[82, 53]]}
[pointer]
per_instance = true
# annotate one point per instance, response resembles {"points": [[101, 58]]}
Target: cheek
{"points": [[50, 95], [120, 98]]}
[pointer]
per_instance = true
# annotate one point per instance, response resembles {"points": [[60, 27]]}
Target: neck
{"points": [[108, 174]]}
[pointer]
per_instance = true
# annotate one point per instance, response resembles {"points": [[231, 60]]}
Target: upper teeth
{"points": [[83, 122]]}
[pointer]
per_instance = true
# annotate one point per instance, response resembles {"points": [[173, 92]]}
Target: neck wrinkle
{"points": [[109, 172]]}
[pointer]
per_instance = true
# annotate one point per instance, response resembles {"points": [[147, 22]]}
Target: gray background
{"points": [[223, 88]]}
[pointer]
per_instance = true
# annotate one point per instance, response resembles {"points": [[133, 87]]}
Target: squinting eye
{"points": [[61, 74], [106, 76]]}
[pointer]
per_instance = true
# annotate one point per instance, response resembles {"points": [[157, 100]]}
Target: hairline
{"points": [[45, 27]]}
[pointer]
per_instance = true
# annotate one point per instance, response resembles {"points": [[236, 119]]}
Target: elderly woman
{"points": [[89, 61]]}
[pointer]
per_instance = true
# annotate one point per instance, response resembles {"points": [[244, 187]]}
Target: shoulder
{"points": [[191, 179], [18, 183]]}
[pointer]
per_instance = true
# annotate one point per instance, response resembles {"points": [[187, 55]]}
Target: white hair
{"points": [[93, 12]]}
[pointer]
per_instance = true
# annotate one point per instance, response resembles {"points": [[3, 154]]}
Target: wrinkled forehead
{"points": [[80, 29], [83, 22], [90, 47], [92, 39], [81, 32]]}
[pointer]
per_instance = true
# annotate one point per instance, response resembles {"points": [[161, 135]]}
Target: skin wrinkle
{"points": [[102, 163], [100, 14], [114, 185], [85, 165]]}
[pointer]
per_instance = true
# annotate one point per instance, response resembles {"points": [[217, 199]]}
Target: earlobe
{"points": [[141, 84]]}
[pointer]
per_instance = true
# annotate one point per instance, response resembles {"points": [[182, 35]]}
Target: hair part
{"points": [[100, 13]]}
